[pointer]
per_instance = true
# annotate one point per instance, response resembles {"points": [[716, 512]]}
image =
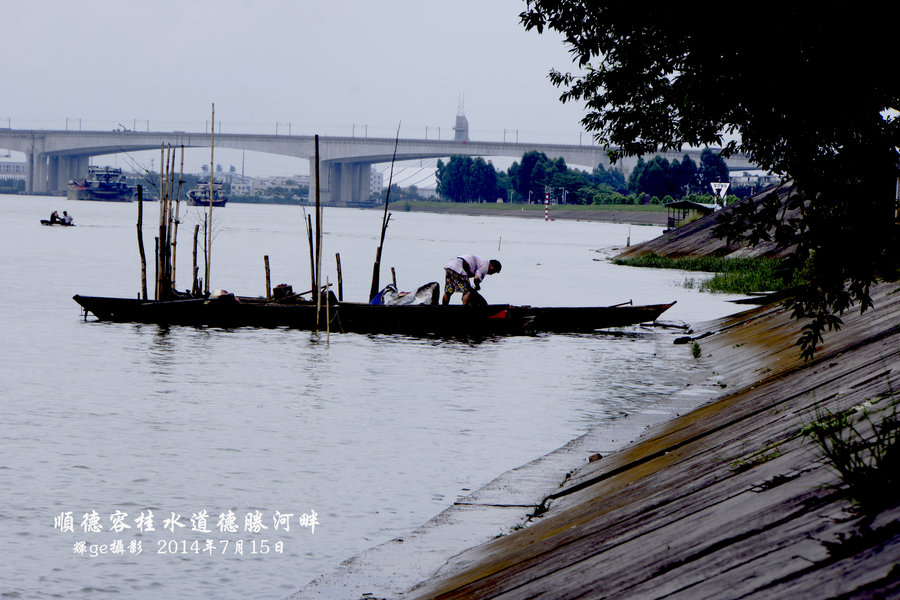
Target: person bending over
{"points": [[462, 268]]}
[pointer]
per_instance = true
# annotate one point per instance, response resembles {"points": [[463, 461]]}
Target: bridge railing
{"points": [[429, 131]]}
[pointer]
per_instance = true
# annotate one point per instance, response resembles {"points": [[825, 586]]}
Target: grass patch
{"points": [[745, 463], [695, 350], [732, 275], [863, 445]]}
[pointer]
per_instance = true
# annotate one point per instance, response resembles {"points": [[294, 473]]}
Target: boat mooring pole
{"points": [[195, 285], [337, 257], [268, 281], [140, 236], [327, 316], [212, 145], [376, 269], [162, 197], [312, 259], [318, 255], [156, 274], [177, 200]]}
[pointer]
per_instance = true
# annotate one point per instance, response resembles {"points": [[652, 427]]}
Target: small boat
{"points": [[51, 223], [229, 311], [199, 195], [107, 184]]}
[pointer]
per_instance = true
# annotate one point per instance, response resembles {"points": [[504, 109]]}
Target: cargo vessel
{"points": [[106, 184]]}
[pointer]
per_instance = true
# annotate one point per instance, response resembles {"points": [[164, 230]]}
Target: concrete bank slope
{"points": [[392, 568], [726, 501]]}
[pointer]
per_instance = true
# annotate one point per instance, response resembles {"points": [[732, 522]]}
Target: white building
{"points": [[12, 170], [376, 182]]}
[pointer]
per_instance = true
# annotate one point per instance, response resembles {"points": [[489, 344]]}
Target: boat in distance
{"points": [[199, 195], [107, 184], [229, 311]]}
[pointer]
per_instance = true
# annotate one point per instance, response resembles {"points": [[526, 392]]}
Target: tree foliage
{"points": [[823, 116], [464, 179]]}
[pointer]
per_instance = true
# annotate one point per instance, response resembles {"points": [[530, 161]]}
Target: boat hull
{"points": [[76, 193], [204, 204], [492, 319]]}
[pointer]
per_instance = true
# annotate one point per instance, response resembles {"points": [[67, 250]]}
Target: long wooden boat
{"points": [[503, 319]]}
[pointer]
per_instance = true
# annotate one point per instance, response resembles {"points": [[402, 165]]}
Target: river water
{"points": [[267, 457]]}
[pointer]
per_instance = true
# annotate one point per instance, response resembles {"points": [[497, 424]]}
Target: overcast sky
{"points": [[338, 68]]}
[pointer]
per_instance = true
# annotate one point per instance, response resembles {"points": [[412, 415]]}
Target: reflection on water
{"points": [[377, 433]]}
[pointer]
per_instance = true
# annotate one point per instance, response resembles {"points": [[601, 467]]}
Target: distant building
{"points": [[757, 181], [13, 170], [461, 129], [376, 182], [242, 188], [289, 181]]}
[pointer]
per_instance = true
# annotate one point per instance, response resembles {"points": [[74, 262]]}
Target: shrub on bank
{"points": [[732, 275]]}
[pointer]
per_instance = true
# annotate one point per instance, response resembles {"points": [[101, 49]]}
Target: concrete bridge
{"points": [[53, 157]]}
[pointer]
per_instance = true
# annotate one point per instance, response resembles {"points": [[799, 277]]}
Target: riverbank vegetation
{"points": [[467, 179], [732, 275], [12, 185], [863, 445]]}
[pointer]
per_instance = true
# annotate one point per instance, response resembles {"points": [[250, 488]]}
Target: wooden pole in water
{"points": [[268, 281], [312, 258], [177, 200], [209, 222], [195, 285], [162, 195], [376, 269], [167, 248], [140, 236], [327, 316], [340, 281], [156, 272], [317, 233]]}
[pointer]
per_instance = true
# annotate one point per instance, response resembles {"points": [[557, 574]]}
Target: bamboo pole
{"points": [[166, 282], [140, 236], [208, 249], [170, 218], [163, 244], [156, 273], [317, 235], [340, 281], [327, 316], [162, 193], [205, 255], [195, 285], [312, 259], [268, 281], [177, 206], [376, 269], [319, 252]]}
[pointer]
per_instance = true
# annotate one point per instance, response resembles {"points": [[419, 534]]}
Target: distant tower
{"points": [[461, 129]]}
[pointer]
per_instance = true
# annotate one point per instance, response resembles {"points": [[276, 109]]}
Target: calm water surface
{"points": [[374, 433]]}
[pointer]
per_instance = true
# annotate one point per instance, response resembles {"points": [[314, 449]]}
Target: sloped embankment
{"points": [[697, 238], [726, 501]]}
